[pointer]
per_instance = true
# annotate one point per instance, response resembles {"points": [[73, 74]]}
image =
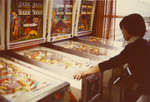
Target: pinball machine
{"points": [[94, 53], [80, 15], [112, 47], [20, 81], [84, 25], [62, 23], [26, 22], [30, 24]]}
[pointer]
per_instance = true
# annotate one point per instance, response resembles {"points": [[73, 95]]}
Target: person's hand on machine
{"points": [[79, 75]]}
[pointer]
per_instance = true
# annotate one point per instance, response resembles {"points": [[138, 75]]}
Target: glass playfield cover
{"points": [[21, 84]]}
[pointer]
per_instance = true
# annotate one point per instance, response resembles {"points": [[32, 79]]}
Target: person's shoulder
{"points": [[136, 44]]}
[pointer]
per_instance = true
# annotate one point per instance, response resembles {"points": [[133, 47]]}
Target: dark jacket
{"points": [[137, 55]]}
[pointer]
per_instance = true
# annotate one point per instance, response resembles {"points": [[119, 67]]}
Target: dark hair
{"points": [[134, 24]]}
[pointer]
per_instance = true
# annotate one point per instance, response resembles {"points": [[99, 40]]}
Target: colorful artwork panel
{"points": [[85, 16], [62, 17], [26, 20]]}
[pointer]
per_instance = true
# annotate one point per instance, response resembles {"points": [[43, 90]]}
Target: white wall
{"points": [[125, 7]]}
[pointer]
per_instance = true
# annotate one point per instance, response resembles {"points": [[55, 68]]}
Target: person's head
{"points": [[133, 25]]}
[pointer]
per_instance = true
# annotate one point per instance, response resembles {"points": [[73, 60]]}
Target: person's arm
{"points": [[117, 60], [89, 71], [111, 63]]}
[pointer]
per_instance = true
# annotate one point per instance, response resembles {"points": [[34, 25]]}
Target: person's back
{"points": [[139, 63]]}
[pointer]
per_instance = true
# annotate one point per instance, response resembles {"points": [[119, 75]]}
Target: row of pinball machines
{"points": [[46, 42]]}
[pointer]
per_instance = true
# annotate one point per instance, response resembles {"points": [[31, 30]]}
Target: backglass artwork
{"points": [[26, 20]]}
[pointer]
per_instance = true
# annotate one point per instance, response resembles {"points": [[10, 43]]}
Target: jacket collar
{"points": [[132, 39]]}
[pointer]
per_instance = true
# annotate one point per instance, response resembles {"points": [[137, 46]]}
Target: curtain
{"points": [[104, 20]]}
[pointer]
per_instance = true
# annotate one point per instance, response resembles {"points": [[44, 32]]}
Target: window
{"points": [[126, 7]]}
